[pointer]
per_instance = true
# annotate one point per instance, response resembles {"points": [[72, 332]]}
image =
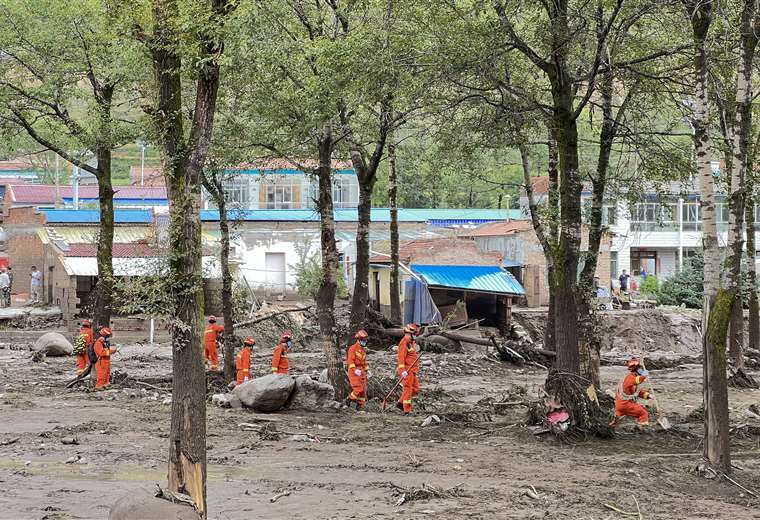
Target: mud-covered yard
{"points": [[357, 465]]}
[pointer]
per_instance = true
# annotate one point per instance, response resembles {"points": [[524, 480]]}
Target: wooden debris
{"points": [[426, 492], [10, 441], [620, 511], [272, 315], [532, 493], [174, 498], [279, 496]]}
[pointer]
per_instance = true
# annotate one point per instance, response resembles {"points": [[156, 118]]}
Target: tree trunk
{"points": [[754, 309], [741, 163], [229, 326], [717, 303], [330, 265], [183, 160], [553, 199], [104, 289], [392, 194], [360, 298]]}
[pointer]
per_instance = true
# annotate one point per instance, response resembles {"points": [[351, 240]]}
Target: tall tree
{"points": [[213, 179], [395, 286], [62, 85], [184, 156], [718, 302]]}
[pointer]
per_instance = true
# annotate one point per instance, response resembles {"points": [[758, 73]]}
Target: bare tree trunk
{"points": [[392, 194], [754, 309], [104, 289], [227, 311], [183, 162], [717, 303], [741, 163], [550, 341], [330, 266], [360, 298]]}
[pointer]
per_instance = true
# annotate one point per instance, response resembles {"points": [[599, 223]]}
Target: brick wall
{"points": [[24, 247]]}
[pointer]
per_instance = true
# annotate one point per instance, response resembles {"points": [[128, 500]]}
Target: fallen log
{"points": [[272, 315]]}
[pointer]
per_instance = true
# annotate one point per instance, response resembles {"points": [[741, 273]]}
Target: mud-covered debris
{"points": [[427, 492], [73, 459], [139, 504], [430, 420], [73, 441]]}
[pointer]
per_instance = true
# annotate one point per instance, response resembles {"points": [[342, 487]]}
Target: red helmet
{"points": [[633, 363], [286, 336], [412, 328], [85, 323], [105, 331], [212, 319], [362, 334], [249, 341]]}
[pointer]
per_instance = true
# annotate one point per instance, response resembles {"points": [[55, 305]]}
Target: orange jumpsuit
{"points": [[82, 359], [103, 365], [356, 357], [280, 359], [243, 365], [407, 362], [210, 338], [628, 394]]}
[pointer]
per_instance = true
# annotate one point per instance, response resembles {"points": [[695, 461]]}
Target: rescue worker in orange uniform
{"points": [[210, 343], [280, 357], [356, 361], [103, 352], [408, 367], [86, 331], [243, 361], [628, 395]]}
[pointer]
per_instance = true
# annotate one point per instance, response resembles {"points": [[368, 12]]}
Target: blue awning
{"points": [[511, 263], [480, 278], [92, 216]]}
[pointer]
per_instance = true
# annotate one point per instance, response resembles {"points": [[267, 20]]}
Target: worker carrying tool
{"points": [[103, 351], [408, 367], [280, 357], [82, 344], [356, 362], [243, 361], [628, 395], [211, 343]]}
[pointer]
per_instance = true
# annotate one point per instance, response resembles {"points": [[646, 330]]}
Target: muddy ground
{"points": [[361, 461]]}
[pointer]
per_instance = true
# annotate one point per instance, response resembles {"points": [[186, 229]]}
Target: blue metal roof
{"points": [[482, 278], [511, 263], [92, 216], [284, 171], [434, 216]]}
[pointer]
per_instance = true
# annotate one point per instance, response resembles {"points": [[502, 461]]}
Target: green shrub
{"points": [[308, 276], [650, 285], [685, 287]]}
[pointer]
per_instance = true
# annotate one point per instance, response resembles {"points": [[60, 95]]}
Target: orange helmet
{"points": [[105, 331], [85, 323], [212, 319], [362, 334], [412, 328], [633, 363], [249, 341], [286, 336]]}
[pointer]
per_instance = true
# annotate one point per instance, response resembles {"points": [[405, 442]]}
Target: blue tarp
{"points": [[92, 216], [418, 304]]}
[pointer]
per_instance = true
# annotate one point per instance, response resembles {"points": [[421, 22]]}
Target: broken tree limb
{"points": [[272, 315], [279, 496]]}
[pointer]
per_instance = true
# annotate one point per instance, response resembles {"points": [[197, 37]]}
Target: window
{"points": [[643, 261], [613, 264], [609, 215], [653, 216], [691, 214], [279, 197], [237, 191], [345, 191]]}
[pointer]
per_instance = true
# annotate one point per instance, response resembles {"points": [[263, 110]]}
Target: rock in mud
{"points": [[221, 400], [53, 344], [266, 394], [141, 505], [311, 395]]}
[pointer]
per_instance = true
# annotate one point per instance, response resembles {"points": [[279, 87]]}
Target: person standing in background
{"points": [[36, 285]]}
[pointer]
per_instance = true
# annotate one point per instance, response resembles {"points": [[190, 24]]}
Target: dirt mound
{"points": [[655, 333]]}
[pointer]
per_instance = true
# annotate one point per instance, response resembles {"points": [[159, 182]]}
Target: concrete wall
{"points": [[24, 247]]}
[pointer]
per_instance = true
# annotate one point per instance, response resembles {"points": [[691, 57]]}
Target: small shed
{"points": [[461, 293]]}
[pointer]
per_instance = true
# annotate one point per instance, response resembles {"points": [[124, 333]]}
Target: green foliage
{"points": [[650, 285], [686, 287], [308, 276]]}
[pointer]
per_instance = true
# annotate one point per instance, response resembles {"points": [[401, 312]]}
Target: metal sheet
{"points": [[88, 266], [482, 278]]}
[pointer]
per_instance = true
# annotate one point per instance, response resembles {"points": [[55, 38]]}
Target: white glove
{"points": [[245, 379], [404, 374], [357, 372], [369, 374]]}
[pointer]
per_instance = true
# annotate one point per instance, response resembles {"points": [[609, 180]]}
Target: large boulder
{"points": [[141, 505], [53, 344], [266, 394], [310, 394]]}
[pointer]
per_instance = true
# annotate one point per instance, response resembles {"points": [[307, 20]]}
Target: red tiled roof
{"points": [[45, 194], [441, 251], [540, 185], [500, 228], [14, 165]]}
